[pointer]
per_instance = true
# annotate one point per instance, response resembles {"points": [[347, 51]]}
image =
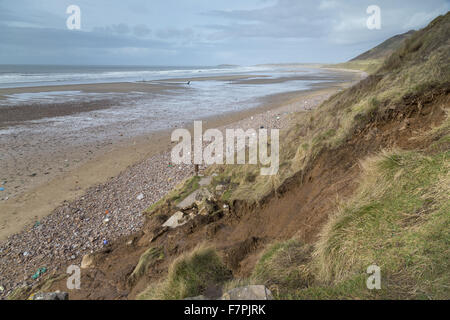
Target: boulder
{"points": [[87, 261], [176, 220], [201, 297], [252, 292], [51, 296]]}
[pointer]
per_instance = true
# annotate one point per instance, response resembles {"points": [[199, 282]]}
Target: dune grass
{"points": [[189, 275], [398, 220], [150, 256]]}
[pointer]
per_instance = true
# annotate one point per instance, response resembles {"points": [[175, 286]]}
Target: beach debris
{"points": [[26, 254], [39, 272], [37, 224], [2, 288], [106, 220], [105, 242], [140, 196], [2, 189], [262, 127]]}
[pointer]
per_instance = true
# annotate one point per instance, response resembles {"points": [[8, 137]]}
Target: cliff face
{"points": [[363, 181]]}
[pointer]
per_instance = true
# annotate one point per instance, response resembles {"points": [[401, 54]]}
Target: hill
{"points": [[386, 48]]}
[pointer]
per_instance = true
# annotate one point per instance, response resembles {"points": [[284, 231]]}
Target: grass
{"points": [[190, 275], [150, 256], [368, 65], [399, 220], [283, 267]]}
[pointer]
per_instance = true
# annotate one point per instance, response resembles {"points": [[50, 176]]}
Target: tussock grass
{"points": [[399, 220], [150, 256], [189, 275], [284, 267]]}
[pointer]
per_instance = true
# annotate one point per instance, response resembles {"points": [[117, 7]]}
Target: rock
{"points": [[176, 220], [252, 292], [87, 261], [200, 297], [196, 196], [189, 200], [220, 188], [51, 296]]}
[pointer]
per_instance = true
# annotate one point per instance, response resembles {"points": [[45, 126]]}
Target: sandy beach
{"points": [[57, 211]]}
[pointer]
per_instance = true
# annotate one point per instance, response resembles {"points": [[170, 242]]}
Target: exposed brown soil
{"points": [[298, 208]]}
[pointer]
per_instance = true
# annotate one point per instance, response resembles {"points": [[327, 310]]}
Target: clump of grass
{"points": [[190, 275], [399, 221], [283, 267], [150, 256]]}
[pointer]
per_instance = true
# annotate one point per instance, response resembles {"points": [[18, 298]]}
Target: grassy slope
{"points": [[386, 48], [399, 217], [371, 60]]}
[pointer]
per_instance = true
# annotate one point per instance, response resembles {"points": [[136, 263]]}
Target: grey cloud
{"points": [[175, 33], [141, 30]]}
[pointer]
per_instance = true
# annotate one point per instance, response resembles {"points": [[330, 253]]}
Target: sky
{"points": [[202, 32]]}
